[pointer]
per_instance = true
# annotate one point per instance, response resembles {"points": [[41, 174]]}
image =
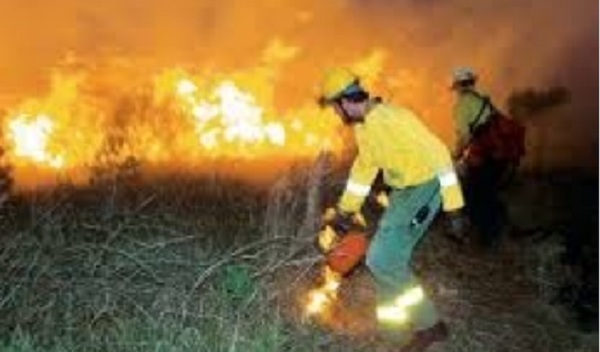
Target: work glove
{"points": [[456, 226], [337, 223], [340, 221]]}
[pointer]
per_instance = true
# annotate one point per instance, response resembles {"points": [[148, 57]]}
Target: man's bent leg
{"points": [[402, 302]]}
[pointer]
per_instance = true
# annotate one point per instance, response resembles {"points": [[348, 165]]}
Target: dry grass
{"points": [[213, 265]]}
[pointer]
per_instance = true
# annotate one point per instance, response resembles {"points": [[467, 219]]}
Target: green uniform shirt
{"points": [[466, 110]]}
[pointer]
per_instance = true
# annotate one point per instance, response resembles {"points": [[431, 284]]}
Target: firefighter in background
{"points": [[481, 174], [418, 167]]}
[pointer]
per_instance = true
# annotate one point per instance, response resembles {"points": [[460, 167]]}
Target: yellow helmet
{"points": [[335, 83]]}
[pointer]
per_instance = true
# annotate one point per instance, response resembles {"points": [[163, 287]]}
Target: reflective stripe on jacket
{"points": [[394, 140]]}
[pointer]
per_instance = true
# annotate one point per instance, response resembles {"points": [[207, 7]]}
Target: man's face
{"points": [[348, 111], [463, 86]]}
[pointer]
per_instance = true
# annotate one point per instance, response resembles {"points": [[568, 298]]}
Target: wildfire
{"points": [[87, 120], [321, 298], [108, 112]]}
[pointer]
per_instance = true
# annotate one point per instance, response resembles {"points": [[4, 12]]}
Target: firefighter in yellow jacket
{"points": [[419, 169]]}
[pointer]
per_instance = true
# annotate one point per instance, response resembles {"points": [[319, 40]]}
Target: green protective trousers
{"points": [[402, 226]]}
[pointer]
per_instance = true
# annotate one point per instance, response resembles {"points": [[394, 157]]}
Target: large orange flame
{"points": [[109, 113]]}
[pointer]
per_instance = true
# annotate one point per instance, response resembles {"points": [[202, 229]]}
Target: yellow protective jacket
{"points": [[394, 140], [465, 112]]}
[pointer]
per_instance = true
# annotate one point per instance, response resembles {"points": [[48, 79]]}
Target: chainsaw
{"points": [[343, 251]]}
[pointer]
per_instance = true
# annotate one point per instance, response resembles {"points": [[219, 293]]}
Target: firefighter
{"points": [[418, 168], [481, 174]]}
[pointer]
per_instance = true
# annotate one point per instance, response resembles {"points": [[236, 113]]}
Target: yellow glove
{"points": [[327, 239]]}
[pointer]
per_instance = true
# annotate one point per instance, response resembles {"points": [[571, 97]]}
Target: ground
{"points": [[511, 298]]}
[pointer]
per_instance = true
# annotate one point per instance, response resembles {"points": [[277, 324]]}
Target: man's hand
{"points": [[456, 226], [342, 222], [460, 166]]}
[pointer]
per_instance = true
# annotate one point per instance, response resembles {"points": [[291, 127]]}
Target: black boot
{"points": [[423, 339]]}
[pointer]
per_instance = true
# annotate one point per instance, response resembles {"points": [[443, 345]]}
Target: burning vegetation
{"points": [[170, 118]]}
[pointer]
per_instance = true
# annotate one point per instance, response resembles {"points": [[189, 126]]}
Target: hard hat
{"points": [[338, 81], [463, 74]]}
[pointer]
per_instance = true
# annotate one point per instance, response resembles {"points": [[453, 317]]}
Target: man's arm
{"points": [[461, 117], [359, 182]]}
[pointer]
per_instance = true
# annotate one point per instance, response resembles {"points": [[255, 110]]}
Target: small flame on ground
{"points": [[321, 298]]}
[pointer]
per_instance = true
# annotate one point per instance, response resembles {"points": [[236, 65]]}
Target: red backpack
{"points": [[501, 138]]}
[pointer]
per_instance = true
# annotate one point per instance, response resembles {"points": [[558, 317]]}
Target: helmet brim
{"points": [[355, 87], [324, 102]]}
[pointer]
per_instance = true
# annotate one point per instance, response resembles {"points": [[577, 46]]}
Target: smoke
{"points": [[513, 44]]}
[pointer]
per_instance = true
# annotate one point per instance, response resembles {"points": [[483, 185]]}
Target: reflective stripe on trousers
{"points": [[398, 291]]}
